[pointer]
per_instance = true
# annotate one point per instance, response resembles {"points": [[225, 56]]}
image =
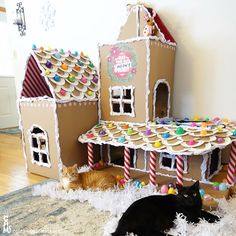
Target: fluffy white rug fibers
{"points": [[116, 202]]}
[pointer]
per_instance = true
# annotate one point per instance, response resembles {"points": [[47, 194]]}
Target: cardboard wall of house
{"points": [[140, 162], [162, 61], [129, 29], [40, 113], [193, 169], [225, 154], [74, 119], [137, 80]]}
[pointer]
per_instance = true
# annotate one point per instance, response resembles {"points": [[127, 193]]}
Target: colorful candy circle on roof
{"points": [[69, 51], [216, 119], [62, 92], [203, 132], [98, 125], [180, 131], [166, 135], [193, 124], [234, 133], [48, 64], [77, 67], [49, 49], [57, 78], [220, 140], [157, 144], [90, 93], [196, 118], [90, 135], [91, 64], [110, 125], [41, 49], [226, 120], [220, 128], [148, 132], [47, 72], [62, 51], [102, 132], [171, 185], [81, 63], [57, 55], [75, 53], [71, 78], [34, 47], [125, 126], [207, 119], [64, 66], [121, 139], [223, 187], [191, 142], [204, 124], [130, 131], [95, 79], [186, 118], [84, 80]]}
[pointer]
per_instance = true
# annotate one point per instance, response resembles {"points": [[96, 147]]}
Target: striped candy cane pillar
{"points": [[232, 162], [127, 164], [180, 170], [90, 156], [152, 168]]}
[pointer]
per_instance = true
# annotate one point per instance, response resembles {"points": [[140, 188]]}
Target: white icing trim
{"points": [[38, 150], [137, 22], [122, 100], [135, 158], [109, 153], [145, 160], [203, 167], [147, 80], [158, 82], [137, 39]]}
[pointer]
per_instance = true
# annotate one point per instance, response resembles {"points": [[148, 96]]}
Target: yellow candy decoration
{"points": [[90, 93], [47, 72], [157, 144], [110, 125], [171, 191], [203, 132]]}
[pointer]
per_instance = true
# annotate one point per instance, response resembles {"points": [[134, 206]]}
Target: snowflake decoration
{"points": [[47, 17]]}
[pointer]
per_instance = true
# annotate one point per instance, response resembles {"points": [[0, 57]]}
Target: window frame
{"points": [[39, 137], [122, 100]]}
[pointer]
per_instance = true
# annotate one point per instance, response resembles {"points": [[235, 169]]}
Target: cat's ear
{"points": [[196, 185], [63, 167], [75, 166], [179, 187]]}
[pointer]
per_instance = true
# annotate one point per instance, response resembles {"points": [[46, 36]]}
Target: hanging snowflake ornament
{"points": [[47, 16]]}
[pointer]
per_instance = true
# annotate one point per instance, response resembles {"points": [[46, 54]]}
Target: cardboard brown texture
{"points": [[129, 29], [162, 58], [40, 113], [75, 118], [138, 82]]}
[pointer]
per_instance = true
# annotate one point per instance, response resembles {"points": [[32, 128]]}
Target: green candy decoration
{"points": [[180, 131]]}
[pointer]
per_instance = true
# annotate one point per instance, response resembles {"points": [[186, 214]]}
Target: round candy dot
{"points": [[171, 185], [110, 125], [71, 78], [90, 93], [191, 142], [81, 63], [90, 135], [207, 197], [97, 165], [84, 80], [75, 53], [148, 132], [69, 51], [57, 78], [171, 191], [157, 144], [130, 131], [121, 139], [226, 120], [216, 119], [166, 135], [207, 119], [49, 49], [234, 133], [122, 181], [143, 183], [193, 124], [64, 66], [220, 128], [215, 184], [57, 55], [162, 122], [47, 72], [223, 187], [34, 47], [95, 79], [102, 132], [77, 67], [126, 126], [186, 118], [48, 64], [196, 118], [220, 140], [98, 125], [63, 92], [180, 131], [203, 132], [91, 65], [164, 189], [41, 49], [62, 51], [118, 177], [204, 125], [216, 188], [202, 192]]}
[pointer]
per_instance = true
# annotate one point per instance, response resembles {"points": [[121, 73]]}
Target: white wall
{"points": [[204, 30]]}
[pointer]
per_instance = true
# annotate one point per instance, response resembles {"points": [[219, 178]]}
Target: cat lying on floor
{"points": [[71, 179], [153, 215]]}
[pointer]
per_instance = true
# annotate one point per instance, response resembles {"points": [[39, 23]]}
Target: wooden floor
{"points": [[13, 174]]}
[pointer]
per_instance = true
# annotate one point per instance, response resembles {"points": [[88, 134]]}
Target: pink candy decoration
{"points": [[90, 135], [193, 124], [191, 142], [63, 92], [220, 140], [84, 80]]}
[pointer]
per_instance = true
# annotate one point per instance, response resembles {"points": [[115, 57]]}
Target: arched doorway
{"points": [[161, 99]]}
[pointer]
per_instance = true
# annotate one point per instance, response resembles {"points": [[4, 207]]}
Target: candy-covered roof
{"points": [[61, 75], [184, 139]]}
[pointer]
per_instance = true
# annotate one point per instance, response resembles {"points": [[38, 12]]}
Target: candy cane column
{"points": [[152, 169], [90, 156], [232, 162], [180, 170], [127, 164]]}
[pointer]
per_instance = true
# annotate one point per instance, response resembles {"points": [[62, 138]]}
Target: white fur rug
{"points": [[116, 202]]}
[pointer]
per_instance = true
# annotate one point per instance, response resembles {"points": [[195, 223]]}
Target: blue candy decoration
{"points": [[234, 133], [76, 53], [121, 139], [57, 78], [166, 135], [34, 47], [57, 55], [223, 187], [202, 192], [81, 63], [186, 119]]}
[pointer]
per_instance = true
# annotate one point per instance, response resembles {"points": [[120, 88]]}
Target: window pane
{"points": [[36, 156], [116, 93], [36, 130], [127, 94], [166, 162], [116, 107], [127, 108], [44, 158], [34, 142], [42, 144]]}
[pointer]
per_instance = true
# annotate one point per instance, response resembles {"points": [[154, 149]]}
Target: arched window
{"points": [[39, 146]]}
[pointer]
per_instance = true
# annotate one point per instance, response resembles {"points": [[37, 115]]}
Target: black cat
{"points": [[151, 216]]}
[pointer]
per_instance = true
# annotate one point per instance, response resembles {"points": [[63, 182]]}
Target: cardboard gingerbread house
{"points": [[58, 102], [136, 77]]}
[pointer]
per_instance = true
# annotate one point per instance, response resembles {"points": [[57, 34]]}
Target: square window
{"points": [[36, 156], [127, 94], [127, 108], [166, 162], [116, 94], [116, 107]]}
